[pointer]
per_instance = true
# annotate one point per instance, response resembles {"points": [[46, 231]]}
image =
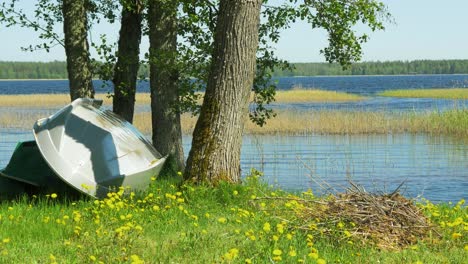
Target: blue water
{"points": [[433, 167], [370, 85], [365, 85]]}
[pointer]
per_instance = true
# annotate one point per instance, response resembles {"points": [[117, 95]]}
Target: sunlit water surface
{"points": [[435, 168]]}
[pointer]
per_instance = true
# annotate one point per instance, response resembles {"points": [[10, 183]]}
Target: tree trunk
{"points": [[217, 139], [167, 133], [128, 61], [75, 28]]}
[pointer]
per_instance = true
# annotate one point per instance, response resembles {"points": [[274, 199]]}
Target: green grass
{"points": [[452, 93], [173, 223]]}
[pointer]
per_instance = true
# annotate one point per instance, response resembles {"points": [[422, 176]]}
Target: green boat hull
{"points": [[28, 172]]}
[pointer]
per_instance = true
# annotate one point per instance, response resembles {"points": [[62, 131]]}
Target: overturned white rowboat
{"points": [[96, 151]]}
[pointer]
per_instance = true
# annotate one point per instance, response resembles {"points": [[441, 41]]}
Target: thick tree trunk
{"points": [[167, 133], [75, 28], [128, 61], [217, 139]]}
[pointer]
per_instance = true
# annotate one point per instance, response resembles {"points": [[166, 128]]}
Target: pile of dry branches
{"points": [[387, 220]]}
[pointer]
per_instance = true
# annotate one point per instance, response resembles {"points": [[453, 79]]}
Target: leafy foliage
{"points": [[338, 17], [196, 24], [47, 15]]}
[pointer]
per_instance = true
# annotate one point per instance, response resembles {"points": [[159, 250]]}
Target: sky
{"points": [[422, 29]]}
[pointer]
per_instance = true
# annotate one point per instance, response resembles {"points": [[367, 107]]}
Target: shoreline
{"points": [[295, 76]]}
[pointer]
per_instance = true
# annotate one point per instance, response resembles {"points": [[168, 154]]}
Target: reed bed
{"points": [[313, 95], [57, 100], [453, 93], [289, 122]]}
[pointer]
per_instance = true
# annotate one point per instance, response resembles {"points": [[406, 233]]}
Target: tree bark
{"points": [[167, 132], [128, 61], [75, 28], [217, 138]]}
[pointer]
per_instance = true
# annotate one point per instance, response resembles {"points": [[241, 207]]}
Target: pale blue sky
{"points": [[423, 29]]}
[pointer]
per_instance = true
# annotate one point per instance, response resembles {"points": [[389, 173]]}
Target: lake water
{"points": [[433, 167], [364, 85]]}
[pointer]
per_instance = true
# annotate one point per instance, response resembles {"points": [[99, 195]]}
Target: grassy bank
{"points": [[453, 93], [58, 100], [248, 223], [453, 122]]}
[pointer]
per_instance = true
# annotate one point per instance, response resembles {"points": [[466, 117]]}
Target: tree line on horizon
{"points": [[378, 68], [58, 69]]}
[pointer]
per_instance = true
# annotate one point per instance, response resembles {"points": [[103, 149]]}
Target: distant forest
{"points": [[58, 69]]}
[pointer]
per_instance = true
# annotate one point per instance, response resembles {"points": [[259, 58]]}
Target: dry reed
{"points": [[454, 122], [452, 93], [57, 100], [388, 220], [312, 95]]}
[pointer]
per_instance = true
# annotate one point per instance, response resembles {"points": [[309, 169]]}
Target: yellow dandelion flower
{"points": [[456, 235], [232, 254], [235, 193], [277, 258], [248, 261], [275, 238], [466, 247], [136, 259], [266, 227], [6, 240], [53, 196], [321, 261], [52, 257], [222, 220], [92, 258], [292, 253], [313, 255], [277, 252], [347, 233], [280, 228]]}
